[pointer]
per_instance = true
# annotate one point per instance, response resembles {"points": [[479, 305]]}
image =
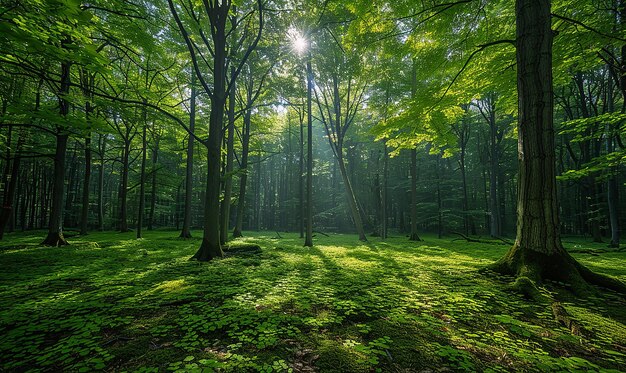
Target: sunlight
{"points": [[299, 43]]}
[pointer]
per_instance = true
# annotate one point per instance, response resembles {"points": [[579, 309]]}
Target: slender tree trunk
{"points": [[301, 210], [354, 208], [142, 177], [186, 232], [244, 174], [9, 192], [613, 199], [84, 219], [494, 203], [413, 235], [228, 178], [383, 231], [308, 239], [123, 214], [102, 150], [153, 185], [87, 82]]}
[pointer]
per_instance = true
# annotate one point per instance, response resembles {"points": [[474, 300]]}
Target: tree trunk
{"points": [[9, 192], [153, 184], [211, 247], [55, 226], [495, 229], [308, 239], [354, 208], [383, 207], [123, 214], [538, 253], [413, 235], [244, 174], [102, 150], [186, 231], [142, 177], [228, 178], [301, 211], [84, 216]]}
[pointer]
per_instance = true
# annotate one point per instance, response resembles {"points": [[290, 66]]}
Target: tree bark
{"points": [[186, 231], [308, 239], [384, 194], [142, 176], [413, 236], [237, 232], [11, 184], [211, 247], [538, 252], [84, 216], [153, 184], [55, 227], [228, 178], [102, 150], [123, 197]]}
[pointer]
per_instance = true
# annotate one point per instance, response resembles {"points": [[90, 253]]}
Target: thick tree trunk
{"points": [[211, 247], [186, 231], [55, 226], [538, 253]]}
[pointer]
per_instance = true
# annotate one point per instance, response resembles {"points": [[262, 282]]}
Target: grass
{"points": [[111, 302]]}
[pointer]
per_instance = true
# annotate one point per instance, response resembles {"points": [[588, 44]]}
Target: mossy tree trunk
{"points": [[538, 252]]}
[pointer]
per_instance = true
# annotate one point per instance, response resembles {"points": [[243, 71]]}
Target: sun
{"points": [[299, 43]]}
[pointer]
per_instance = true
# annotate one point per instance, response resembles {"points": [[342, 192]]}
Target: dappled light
{"points": [[312, 186]]}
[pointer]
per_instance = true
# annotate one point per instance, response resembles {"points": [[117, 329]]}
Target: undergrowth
{"points": [[110, 302]]}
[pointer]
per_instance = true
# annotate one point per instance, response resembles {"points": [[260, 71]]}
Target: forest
{"points": [[312, 185]]}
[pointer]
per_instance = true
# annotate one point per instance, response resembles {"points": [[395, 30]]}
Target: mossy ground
{"points": [[111, 302]]}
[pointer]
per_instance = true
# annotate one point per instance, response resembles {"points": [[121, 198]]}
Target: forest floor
{"points": [[111, 302]]}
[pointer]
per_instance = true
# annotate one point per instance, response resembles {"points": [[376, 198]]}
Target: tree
{"points": [[212, 19], [538, 252], [339, 97]]}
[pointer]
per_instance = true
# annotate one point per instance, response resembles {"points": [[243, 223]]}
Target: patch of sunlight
{"points": [[169, 286], [606, 329]]}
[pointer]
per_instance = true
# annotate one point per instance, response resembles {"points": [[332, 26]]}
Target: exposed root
{"points": [[414, 237], [559, 266], [466, 238], [207, 252], [55, 239], [527, 288]]}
